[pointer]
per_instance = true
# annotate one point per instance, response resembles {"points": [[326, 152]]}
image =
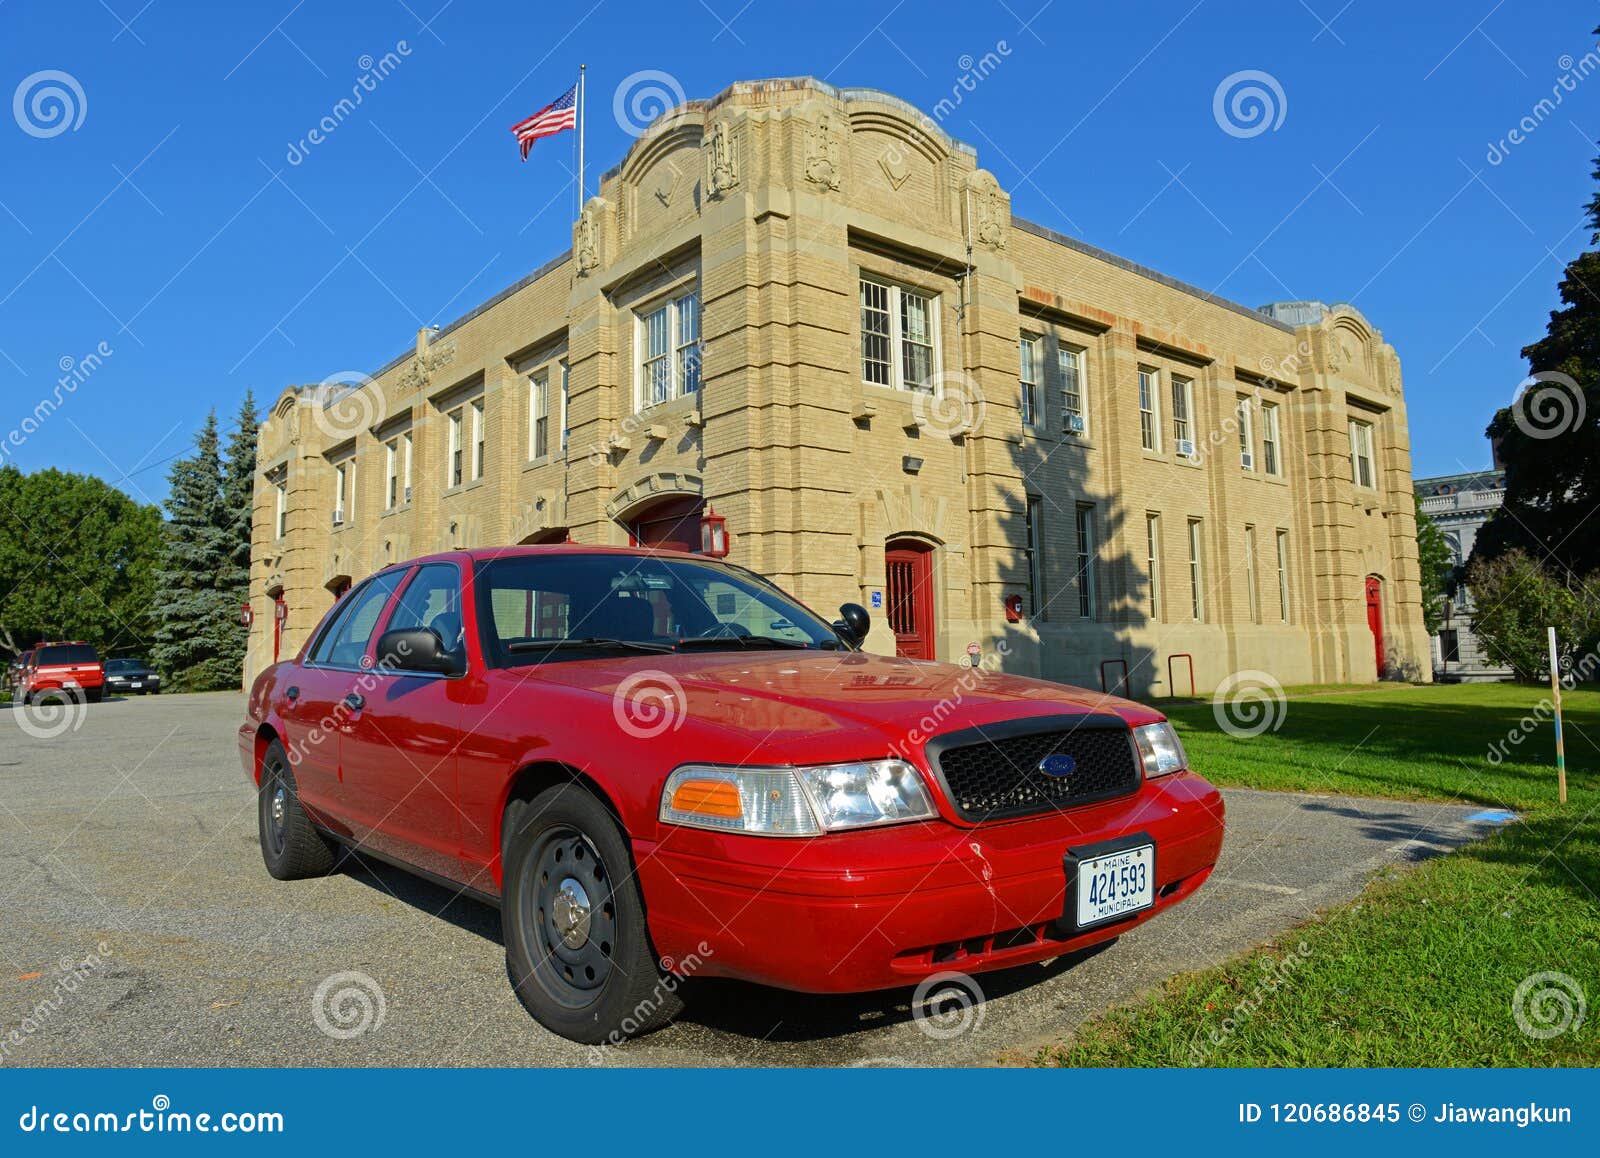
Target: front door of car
{"points": [[399, 751], [311, 695]]}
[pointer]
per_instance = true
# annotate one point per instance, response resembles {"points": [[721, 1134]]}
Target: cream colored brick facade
{"points": [[770, 203]]}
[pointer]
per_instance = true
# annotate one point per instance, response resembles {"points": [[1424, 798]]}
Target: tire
{"points": [[291, 846], [567, 866]]}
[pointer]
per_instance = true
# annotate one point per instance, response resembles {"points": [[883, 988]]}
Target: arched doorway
{"points": [[908, 564], [1375, 618], [669, 524]]}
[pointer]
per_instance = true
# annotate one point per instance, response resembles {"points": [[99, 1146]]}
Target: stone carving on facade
{"points": [[986, 209], [586, 245], [429, 359], [895, 166], [822, 155], [722, 160], [1391, 364]]}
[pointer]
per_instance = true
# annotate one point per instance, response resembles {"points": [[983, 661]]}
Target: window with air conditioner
{"points": [[343, 476], [1074, 414], [1247, 435], [1183, 417]]}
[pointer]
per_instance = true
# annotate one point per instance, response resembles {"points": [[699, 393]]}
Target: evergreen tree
{"points": [[1552, 455], [237, 513], [197, 615], [1437, 565]]}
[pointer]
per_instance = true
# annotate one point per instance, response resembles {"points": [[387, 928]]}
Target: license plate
{"points": [[1115, 885], [136, 684]]}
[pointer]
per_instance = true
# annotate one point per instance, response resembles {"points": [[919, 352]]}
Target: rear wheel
{"points": [[290, 844], [577, 947]]}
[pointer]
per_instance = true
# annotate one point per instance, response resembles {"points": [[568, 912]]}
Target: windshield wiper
{"points": [[592, 641], [746, 640]]}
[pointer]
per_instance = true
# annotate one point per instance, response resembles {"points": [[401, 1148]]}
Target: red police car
{"points": [[660, 765]]}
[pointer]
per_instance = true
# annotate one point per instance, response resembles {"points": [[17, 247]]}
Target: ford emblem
{"points": [[1058, 764]]}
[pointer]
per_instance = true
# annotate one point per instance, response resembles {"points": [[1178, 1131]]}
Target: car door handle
{"points": [[292, 692], [355, 701]]}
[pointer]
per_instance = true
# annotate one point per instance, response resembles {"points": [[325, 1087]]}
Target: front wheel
{"points": [[291, 846], [577, 947]]}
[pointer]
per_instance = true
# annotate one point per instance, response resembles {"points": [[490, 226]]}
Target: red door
{"points": [[910, 599], [672, 525], [1375, 618]]}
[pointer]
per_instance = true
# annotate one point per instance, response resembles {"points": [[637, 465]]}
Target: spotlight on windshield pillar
{"points": [[713, 534]]}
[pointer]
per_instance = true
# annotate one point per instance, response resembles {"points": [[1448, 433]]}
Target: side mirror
{"points": [[416, 649], [853, 623]]}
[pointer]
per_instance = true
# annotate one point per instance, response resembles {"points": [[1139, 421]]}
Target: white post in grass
{"points": [[1555, 696]]}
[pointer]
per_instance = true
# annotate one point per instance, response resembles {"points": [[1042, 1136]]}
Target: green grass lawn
{"points": [[1423, 968]]}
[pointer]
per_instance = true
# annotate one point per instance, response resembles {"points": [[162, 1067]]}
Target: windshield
{"points": [[116, 665], [569, 606], [66, 653]]}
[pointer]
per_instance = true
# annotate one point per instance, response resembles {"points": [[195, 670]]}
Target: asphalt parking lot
{"points": [[138, 927]]}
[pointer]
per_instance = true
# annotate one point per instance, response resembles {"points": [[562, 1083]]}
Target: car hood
{"points": [[808, 699]]}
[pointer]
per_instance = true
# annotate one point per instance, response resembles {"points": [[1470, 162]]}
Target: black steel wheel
{"points": [[291, 846], [577, 947]]}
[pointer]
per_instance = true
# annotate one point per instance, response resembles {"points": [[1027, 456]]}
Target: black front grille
{"points": [[993, 772]]}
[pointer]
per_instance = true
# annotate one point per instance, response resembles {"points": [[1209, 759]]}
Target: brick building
{"points": [[809, 309]]}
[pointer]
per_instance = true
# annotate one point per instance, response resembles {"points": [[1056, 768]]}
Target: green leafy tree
{"points": [[1438, 565], [198, 615], [1518, 601], [1550, 440], [77, 561]]}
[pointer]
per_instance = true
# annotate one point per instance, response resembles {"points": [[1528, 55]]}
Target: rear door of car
{"points": [[400, 749], [312, 694]]}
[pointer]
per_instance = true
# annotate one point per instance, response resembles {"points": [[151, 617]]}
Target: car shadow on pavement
{"points": [[461, 909], [760, 1013], [737, 1008]]}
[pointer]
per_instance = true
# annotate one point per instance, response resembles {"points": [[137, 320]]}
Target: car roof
{"points": [[525, 551]]}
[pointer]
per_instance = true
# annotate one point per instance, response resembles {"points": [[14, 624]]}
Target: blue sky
{"points": [[172, 224]]}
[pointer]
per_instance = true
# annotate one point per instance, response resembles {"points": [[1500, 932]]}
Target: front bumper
{"points": [[122, 684], [878, 909]]}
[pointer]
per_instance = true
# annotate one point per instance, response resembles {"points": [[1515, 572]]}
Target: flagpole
{"points": [[582, 69]]}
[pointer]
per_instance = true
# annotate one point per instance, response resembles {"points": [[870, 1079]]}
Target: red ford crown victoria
{"points": [[659, 765]]}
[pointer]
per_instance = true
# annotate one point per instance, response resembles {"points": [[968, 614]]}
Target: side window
{"points": [[433, 599], [345, 642]]}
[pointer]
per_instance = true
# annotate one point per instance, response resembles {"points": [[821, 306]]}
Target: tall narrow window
{"points": [[1182, 413], [280, 517], [1196, 578], [566, 429], [477, 439], [1032, 350], [1152, 549], [1251, 593], [391, 474], [1247, 435], [405, 467], [1074, 418], [1271, 444], [341, 491], [875, 334], [1361, 471], [899, 337], [1283, 575], [1085, 531], [1149, 417], [686, 312], [657, 364], [539, 415], [1034, 555], [457, 446]]}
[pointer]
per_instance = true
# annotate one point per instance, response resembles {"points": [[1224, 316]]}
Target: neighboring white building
{"points": [[1459, 504]]}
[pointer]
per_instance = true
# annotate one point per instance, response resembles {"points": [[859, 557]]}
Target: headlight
{"points": [[1160, 749], [795, 801]]}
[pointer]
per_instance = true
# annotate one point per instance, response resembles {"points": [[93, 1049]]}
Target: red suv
{"points": [[659, 765], [72, 668]]}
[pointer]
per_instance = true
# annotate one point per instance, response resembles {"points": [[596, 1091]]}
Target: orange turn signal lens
{"points": [[718, 798]]}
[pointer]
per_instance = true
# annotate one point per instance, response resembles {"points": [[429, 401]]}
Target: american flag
{"points": [[561, 114]]}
